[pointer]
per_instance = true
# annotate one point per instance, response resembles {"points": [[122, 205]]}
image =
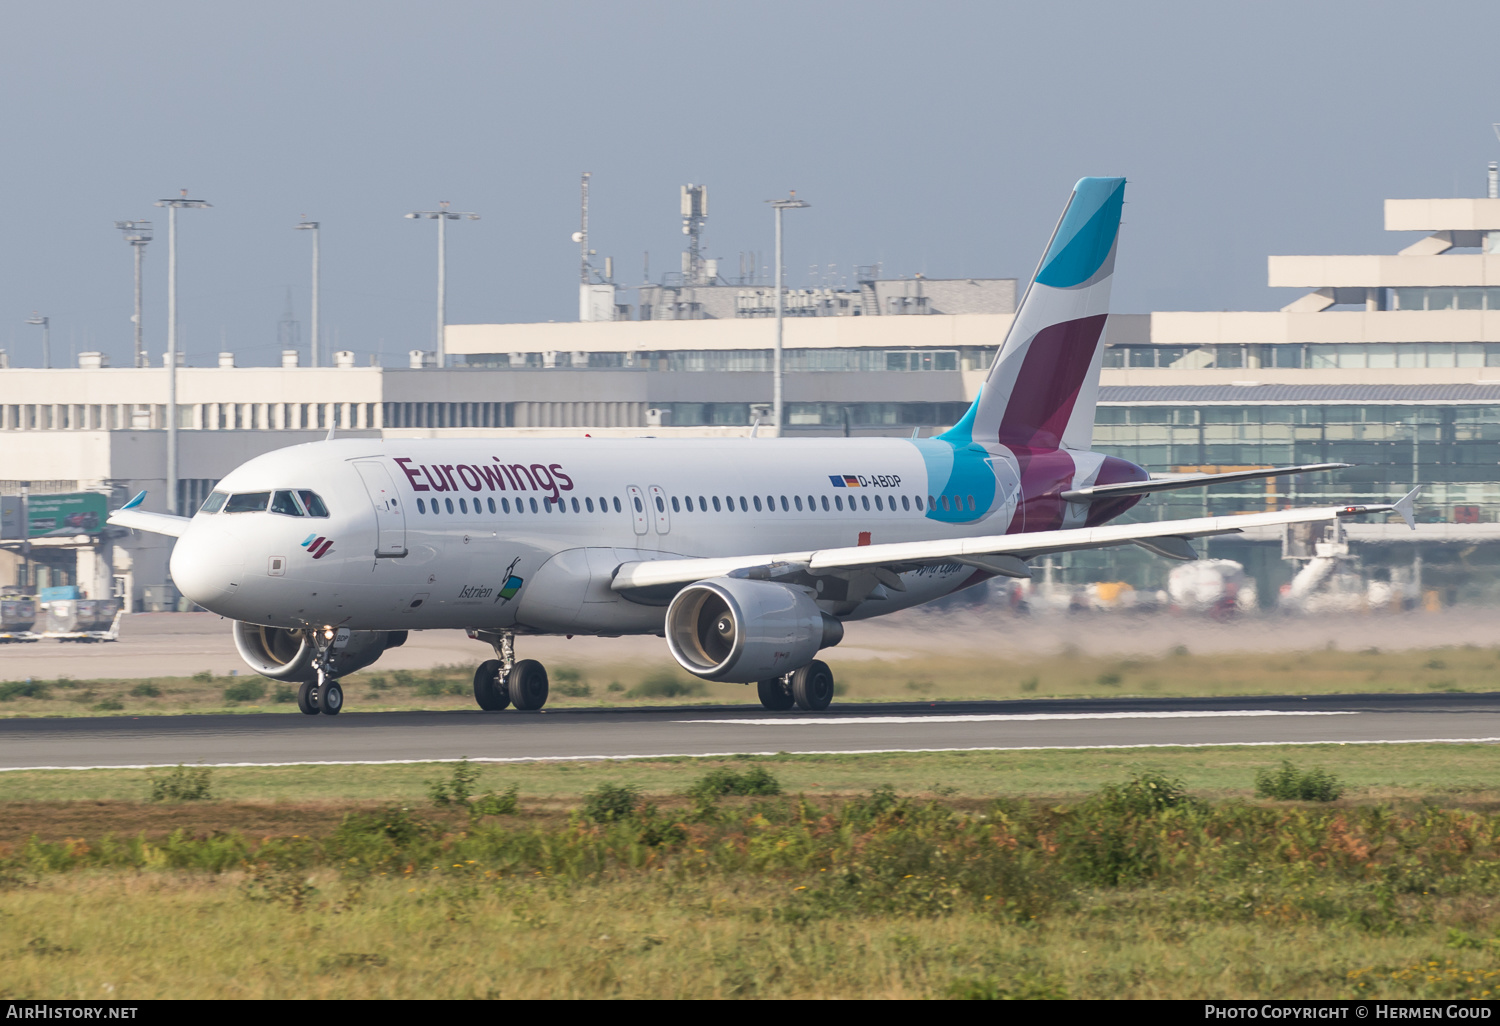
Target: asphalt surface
{"points": [[354, 737]]}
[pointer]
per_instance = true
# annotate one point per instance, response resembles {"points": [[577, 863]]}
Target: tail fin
{"points": [[1044, 384]]}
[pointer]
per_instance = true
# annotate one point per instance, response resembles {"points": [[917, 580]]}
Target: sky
{"points": [[939, 138]]}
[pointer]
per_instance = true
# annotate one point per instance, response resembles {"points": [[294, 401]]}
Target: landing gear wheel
{"points": [[489, 687], [527, 684], [812, 686], [774, 694], [331, 698], [307, 698]]}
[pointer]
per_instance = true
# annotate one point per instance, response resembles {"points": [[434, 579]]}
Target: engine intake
{"points": [[743, 631], [284, 654]]}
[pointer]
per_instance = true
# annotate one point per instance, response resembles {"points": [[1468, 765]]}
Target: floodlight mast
{"points": [[312, 226], [172, 206], [46, 323], [790, 203], [442, 216], [138, 234]]}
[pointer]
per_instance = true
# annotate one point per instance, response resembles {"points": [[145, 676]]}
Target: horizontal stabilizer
{"points": [[1171, 482]]}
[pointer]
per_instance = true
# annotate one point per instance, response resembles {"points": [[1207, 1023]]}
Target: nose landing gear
{"points": [[324, 695], [504, 681]]}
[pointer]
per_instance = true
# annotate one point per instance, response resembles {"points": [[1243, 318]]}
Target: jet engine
{"points": [[742, 631], [284, 654]]}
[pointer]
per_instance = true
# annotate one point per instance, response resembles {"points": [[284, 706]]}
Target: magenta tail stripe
{"points": [[1055, 367]]}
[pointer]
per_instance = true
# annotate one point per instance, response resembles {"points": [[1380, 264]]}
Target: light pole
{"points": [[172, 206], [790, 203], [137, 233], [442, 216], [46, 323], [312, 226]]}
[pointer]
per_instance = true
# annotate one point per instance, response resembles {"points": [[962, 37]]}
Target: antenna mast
{"points": [[583, 234]]}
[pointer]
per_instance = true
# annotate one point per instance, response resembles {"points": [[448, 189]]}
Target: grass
{"points": [[1368, 771], [1164, 881], [930, 679]]}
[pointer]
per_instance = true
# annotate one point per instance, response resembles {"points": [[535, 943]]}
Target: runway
{"points": [[577, 734]]}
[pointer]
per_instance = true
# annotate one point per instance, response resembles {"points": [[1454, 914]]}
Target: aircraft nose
{"points": [[207, 567]]}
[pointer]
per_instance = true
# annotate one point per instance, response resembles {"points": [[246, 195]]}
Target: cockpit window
{"points": [[285, 503], [247, 502], [315, 507], [213, 503]]}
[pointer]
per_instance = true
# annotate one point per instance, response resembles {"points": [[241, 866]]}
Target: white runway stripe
{"points": [[839, 721]]}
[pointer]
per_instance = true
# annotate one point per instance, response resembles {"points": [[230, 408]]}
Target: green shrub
{"points": [[1291, 784], [609, 803], [1030, 684], [1110, 679], [665, 684], [459, 791], [283, 694], [10, 690], [146, 689], [615, 687], [1143, 795], [204, 677], [724, 781], [568, 681], [183, 785], [109, 705], [403, 678], [249, 689]]}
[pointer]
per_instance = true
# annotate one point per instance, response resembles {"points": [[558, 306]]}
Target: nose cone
{"points": [[208, 566]]}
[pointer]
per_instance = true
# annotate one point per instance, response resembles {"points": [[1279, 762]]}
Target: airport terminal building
{"points": [[1391, 362]]}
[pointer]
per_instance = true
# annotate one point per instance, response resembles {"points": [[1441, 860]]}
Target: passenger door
{"points": [[390, 518], [659, 507]]}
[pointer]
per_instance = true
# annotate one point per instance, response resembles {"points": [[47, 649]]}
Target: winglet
{"points": [[332, 427], [1406, 506], [140, 497]]}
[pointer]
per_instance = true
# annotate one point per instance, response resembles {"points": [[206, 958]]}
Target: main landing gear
{"points": [[324, 695], [810, 688], [504, 681]]}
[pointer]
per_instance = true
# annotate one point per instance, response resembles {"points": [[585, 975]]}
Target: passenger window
{"points": [[905, 503], [825, 504], [638, 507], [448, 504], [945, 503], [676, 506], [285, 504], [312, 503], [534, 506], [661, 507], [931, 502], [588, 503], [687, 500], [797, 499], [576, 508], [877, 503], [421, 506], [213, 503], [463, 506], [716, 504], [865, 501], [971, 503], [702, 504], [744, 506], [491, 504], [838, 503], [617, 504], [771, 503], [729, 503], [247, 502], [757, 503]]}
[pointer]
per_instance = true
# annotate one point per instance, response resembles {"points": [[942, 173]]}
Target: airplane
{"points": [[747, 556]]}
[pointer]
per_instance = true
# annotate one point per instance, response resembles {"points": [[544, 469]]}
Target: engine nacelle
{"points": [[283, 654], [742, 631]]}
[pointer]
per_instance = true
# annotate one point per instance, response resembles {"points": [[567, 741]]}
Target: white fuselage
{"points": [[499, 534]]}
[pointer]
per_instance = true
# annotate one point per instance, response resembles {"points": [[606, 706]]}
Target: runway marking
{"points": [[741, 755], [1019, 717]]}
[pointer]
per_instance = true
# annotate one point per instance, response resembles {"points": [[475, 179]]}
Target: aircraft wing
{"points": [[1004, 554], [130, 516]]}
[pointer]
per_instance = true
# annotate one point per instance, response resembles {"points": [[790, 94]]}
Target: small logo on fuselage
{"points": [[317, 545], [512, 583]]}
